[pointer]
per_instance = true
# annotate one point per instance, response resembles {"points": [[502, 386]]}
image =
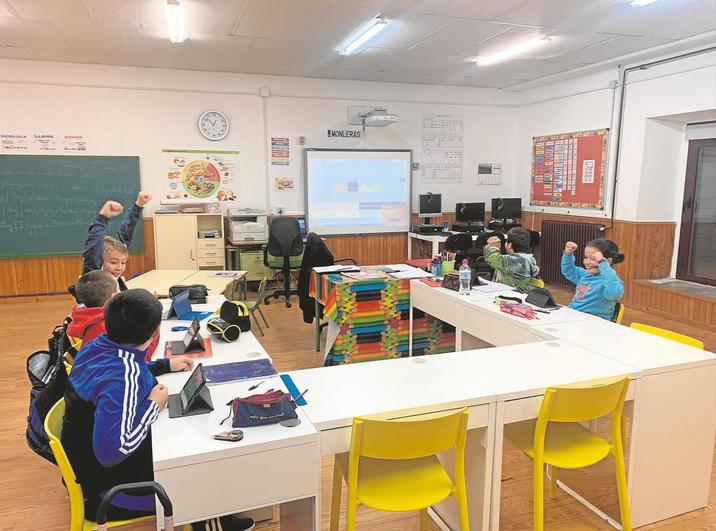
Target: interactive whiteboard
{"points": [[357, 191]]}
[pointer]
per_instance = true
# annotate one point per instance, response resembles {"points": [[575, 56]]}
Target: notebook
{"points": [[239, 370]]}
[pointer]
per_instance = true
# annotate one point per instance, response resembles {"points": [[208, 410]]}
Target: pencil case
{"points": [[270, 407]]}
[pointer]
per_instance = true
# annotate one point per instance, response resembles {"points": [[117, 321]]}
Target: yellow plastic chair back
{"points": [[53, 428], [392, 466], [557, 438], [668, 334], [537, 282], [618, 313]]}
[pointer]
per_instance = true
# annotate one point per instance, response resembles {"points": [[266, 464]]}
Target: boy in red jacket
{"points": [[94, 289]]}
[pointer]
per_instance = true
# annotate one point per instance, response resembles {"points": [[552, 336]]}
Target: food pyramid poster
{"points": [[194, 176]]}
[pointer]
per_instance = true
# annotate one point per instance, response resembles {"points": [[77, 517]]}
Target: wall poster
{"points": [[196, 176], [569, 170]]}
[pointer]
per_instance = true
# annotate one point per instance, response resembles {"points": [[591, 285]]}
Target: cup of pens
{"points": [[448, 265]]}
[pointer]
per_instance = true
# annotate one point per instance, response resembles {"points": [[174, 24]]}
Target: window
{"points": [[697, 242]]}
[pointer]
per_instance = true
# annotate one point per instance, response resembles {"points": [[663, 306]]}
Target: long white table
{"points": [[158, 281], [271, 465], [674, 396]]}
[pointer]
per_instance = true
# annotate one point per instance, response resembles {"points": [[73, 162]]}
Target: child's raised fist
{"points": [[111, 209], [143, 198], [570, 247]]}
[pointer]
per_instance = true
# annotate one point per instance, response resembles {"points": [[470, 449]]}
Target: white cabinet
{"points": [[179, 241]]}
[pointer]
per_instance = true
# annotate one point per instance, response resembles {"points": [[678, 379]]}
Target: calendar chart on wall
{"points": [[569, 170]]}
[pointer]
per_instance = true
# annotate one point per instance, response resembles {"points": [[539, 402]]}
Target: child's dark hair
{"points": [[95, 287], [520, 239], [132, 316], [608, 249]]}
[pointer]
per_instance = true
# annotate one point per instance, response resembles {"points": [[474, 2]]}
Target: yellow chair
{"points": [[53, 428], [253, 306], [537, 282], [392, 466], [618, 313], [557, 438], [668, 334]]}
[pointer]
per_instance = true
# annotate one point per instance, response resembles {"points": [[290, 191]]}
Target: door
{"points": [[175, 241], [697, 242]]}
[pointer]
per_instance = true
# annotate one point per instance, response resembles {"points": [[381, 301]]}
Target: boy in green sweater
{"points": [[517, 266]]}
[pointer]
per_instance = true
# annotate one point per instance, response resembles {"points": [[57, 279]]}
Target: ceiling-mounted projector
{"points": [[370, 116]]}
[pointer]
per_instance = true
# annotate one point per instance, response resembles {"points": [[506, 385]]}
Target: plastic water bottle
{"points": [[465, 274]]}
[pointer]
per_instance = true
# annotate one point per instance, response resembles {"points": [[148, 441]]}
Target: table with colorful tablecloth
{"points": [[371, 312]]}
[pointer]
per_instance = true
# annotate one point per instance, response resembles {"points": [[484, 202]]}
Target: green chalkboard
{"points": [[47, 202]]}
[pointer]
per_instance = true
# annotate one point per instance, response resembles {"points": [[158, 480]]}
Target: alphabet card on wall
{"points": [[196, 176]]}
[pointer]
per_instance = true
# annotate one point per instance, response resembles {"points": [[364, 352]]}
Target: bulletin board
{"points": [[569, 170]]}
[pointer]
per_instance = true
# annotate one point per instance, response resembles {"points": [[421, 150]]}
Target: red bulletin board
{"points": [[569, 170]]}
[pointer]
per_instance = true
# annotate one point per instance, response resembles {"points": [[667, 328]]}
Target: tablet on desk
{"points": [[194, 398], [180, 306], [192, 342]]}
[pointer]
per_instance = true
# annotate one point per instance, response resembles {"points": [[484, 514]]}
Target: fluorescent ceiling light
{"points": [[514, 50], [176, 21], [642, 3], [363, 34]]}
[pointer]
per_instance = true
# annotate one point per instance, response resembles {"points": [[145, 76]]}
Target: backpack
{"points": [[47, 374]]}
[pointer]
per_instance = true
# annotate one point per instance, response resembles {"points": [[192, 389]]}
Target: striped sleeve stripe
{"points": [[130, 437], [130, 445]]}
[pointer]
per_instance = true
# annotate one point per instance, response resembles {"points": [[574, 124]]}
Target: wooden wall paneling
{"points": [[52, 274]]}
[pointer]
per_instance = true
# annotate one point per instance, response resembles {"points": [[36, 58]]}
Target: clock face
{"points": [[213, 125]]}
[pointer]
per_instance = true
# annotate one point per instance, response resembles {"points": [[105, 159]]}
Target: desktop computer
{"points": [[470, 217], [429, 206], [505, 213]]}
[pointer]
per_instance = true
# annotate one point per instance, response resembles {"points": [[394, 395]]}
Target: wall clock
{"points": [[213, 125]]}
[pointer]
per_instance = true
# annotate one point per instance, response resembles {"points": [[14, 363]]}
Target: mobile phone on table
{"points": [[233, 436]]}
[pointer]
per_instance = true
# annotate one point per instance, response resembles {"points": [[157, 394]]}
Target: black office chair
{"points": [[459, 243], [534, 239], [284, 241]]}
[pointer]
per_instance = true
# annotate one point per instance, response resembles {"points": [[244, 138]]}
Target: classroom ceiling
{"points": [[428, 41]]}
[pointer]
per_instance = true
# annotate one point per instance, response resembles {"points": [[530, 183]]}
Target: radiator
{"points": [[554, 235]]}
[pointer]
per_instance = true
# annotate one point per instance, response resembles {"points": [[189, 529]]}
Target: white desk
{"points": [[674, 419], [272, 465], [158, 281]]}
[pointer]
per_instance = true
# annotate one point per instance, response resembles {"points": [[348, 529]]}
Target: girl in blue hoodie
{"points": [[598, 285]]}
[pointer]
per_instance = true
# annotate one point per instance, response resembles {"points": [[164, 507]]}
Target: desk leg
{"points": [[300, 515], [410, 330], [317, 322], [496, 483], [436, 248], [479, 456], [245, 287], [410, 247]]}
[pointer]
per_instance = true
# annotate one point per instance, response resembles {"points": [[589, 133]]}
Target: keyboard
{"points": [[446, 234]]}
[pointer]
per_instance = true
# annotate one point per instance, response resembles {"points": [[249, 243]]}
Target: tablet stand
{"points": [[200, 405]]}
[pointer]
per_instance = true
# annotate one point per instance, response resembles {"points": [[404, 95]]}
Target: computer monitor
{"points": [[510, 207], [430, 206], [470, 212], [302, 226]]}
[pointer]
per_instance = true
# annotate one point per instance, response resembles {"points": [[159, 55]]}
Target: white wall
{"points": [[139, 111], [652, 162], [488, 137]]}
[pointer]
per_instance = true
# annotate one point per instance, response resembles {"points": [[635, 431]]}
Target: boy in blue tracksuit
{"points": [[107, 252], [598, 285], [111, 401]]}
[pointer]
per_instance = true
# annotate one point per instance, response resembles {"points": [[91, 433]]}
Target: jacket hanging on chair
{"points": [[316, 254]]}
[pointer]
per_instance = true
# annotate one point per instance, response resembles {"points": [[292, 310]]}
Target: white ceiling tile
{"points": [[146, 14], [51, 10], [86, 36], [210, 47], [610, 49], [29, 34], [280, 19], [625, 19], [689, 29], [475, 9], [333, 23], [212, 16], [272, 51], [554, 13], [460, 35], [387, 7], [406, 31], [5, 10], [497, 83]]}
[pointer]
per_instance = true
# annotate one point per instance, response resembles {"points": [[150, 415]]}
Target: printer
{"points": [[242, 225]]}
